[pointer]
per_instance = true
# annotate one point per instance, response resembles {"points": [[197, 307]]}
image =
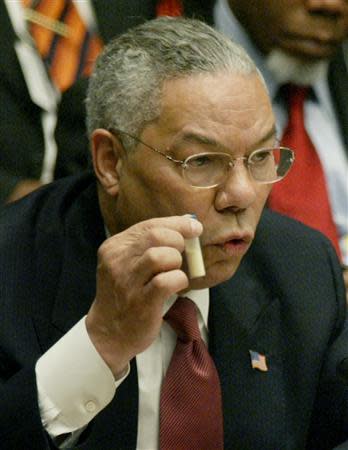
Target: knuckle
{"points": [[163, 259], [152, 256], [177, 257], [170, 282], [102, 251], [154, 236], [160, 283], [181, 244]]}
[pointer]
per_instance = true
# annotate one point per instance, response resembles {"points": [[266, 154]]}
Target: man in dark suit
{"points": [[90, 265], [22, 141]]}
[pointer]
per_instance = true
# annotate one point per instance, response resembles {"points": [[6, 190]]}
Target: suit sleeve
{"points": [[20, 422]]}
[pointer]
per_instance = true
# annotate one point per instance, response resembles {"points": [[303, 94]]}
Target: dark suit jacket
{"points": [[21, 139], [286, 301]]}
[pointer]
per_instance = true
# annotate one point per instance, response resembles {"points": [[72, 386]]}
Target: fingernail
{"points": [[196, 226]]}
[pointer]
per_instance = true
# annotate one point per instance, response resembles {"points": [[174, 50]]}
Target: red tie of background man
{"points": [[303, 193], [190, 407]]}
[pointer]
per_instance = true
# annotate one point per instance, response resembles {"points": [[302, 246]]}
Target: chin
{"points": [[287, 68], [215, 274]]}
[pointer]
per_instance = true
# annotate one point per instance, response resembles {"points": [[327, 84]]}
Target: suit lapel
{"points": [[338, 82], [69, 284], [10, 69], [83, 235], [245, 315]]}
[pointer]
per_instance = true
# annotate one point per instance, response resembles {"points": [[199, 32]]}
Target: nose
{"points": [[238, 192], [328, 7]]}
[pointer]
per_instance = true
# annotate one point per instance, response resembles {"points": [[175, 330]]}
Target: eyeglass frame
{"points": [[183, 163]]}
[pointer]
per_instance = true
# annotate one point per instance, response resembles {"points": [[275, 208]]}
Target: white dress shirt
{"points": [[42, 91], [75, 384], [320, 120]]}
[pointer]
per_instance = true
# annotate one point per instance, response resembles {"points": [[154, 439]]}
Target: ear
{"points": [[106, 155]]}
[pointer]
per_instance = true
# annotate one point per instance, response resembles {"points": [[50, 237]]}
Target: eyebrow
{"points": [[272, 133], [202, 139]]}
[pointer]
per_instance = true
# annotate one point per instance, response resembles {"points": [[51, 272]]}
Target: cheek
{"points": [[148, 194], [134, 202], [262, 197], [173, 196]]}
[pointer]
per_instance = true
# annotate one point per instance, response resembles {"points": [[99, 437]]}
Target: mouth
{"points": [[234, 245], [310, 46]]}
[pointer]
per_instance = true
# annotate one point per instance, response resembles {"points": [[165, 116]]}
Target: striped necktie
{"points": [[190, 405], [303, 194], [66, 46]]}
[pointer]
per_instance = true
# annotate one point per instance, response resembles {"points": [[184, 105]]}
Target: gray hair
{"points": [[125, 89]]}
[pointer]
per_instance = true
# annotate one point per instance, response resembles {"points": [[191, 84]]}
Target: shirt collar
{"points": [[323, 96]]}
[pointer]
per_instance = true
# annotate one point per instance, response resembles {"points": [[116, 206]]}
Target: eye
{"points": [[260, 157], [199, 161]]}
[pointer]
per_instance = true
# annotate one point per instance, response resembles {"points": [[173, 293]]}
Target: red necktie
{"points": [[190, 407], [303, 193], [172, 8], [67, 47]]}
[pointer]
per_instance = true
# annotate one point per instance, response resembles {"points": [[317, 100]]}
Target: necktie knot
{"points": [[295, 96], [182, 317]]}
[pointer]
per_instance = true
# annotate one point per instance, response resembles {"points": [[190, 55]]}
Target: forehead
{"points": [[222, 104]]}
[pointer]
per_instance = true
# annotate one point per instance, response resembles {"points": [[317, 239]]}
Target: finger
{"points": [[156, 260], [161, 237], [186, 225], [165, 284], [167, 231]]}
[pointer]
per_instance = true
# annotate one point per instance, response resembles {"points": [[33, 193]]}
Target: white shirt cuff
{"points": [[74, 383]]}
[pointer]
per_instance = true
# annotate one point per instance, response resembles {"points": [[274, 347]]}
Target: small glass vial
{"points": [[194, 256]]}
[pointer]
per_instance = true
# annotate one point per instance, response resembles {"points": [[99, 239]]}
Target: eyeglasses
{"points": [[211, 169]]}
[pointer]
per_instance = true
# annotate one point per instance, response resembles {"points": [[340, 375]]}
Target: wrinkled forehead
{"points": [[215, 100]]}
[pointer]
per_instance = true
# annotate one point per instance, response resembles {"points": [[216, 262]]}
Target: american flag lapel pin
{"points": [[258, 361]]}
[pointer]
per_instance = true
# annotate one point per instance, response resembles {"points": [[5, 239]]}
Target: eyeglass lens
{"points": [[211, 169]]}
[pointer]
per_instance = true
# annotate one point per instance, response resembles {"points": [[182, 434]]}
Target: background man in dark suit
{"points": [[89, 265], [26, 141], [25, 146]]}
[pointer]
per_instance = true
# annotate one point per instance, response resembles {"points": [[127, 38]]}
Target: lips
{"points": [[234, 245], [315, 46]]}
